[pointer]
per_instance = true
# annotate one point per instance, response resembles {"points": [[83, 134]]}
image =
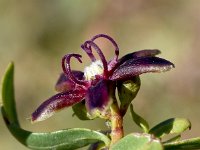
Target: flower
{"points": [[94, 84]]}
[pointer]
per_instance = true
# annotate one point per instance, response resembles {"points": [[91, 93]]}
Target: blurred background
{"points": [[36, 34]]}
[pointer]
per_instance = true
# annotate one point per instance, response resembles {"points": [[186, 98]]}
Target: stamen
{"points": [[67, 69], [101, 55], [111, 40], [88, 50]]}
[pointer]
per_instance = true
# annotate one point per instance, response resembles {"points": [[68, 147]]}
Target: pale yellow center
{"points": [[96, 68]]}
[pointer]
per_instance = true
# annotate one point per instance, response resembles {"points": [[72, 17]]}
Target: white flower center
{"points": [[96, 68]]}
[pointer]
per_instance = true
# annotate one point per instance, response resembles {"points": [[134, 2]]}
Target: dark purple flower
{"points": [[94, 84]]}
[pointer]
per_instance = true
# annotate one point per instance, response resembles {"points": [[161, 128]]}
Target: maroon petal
{"points": [[65, 84], [140, 53], [57, 102], [97, 98], [134, 67]]}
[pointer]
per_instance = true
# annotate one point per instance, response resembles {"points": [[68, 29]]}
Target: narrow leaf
{"points": [[64, 139], [188, 144], [8, 96], [171, 126], [138, 141], [173, 139], [139, 120]]}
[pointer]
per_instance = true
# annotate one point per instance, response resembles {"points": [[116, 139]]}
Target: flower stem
{"points": [[116, 119]]}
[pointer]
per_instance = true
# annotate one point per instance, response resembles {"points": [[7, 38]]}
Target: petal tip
{"points": [[38, 116], [35, 117], [167, 68], [32, 120]]}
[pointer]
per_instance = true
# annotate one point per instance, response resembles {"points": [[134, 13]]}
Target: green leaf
{"points": [[64, 139], [100, 145], [188, 144], [8, 96], [97, 146], [173, 139], [138, 141], [139, 120], [171, 126], [80, 111], [127, 91]]}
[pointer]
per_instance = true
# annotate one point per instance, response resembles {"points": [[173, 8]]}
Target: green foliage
{"points": [[64, 139], [138, 141], [8, 96], [171, 126], [142, 123], [175, 138]]}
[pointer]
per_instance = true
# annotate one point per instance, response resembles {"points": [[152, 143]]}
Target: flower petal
{"points": [[134, 67], [112, 65], [140, 53], [65, 84], [97, 98], [57, 102]]}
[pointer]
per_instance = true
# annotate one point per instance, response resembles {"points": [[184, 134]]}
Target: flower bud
{"points": [[80, 111], [127, 91]]}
